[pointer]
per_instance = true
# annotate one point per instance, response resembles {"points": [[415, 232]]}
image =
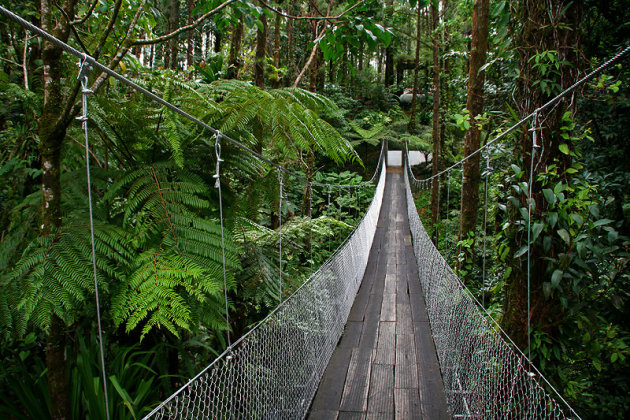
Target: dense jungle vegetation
{"points": [[315, 86]]}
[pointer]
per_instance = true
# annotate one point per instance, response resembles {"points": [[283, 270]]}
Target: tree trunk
{"points": [[414, 97], [435, 168], [290, 50], [51, 133], [541, 28], [474, 104], [276, 52], [218, 41], [174, 43], [190, 43], [234, 61], [259, 64], [389, 51]]}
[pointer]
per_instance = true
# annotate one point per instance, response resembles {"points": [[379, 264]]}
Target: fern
{"points": [[287, 121], [259, 277], [179, 264], [54, 273]]}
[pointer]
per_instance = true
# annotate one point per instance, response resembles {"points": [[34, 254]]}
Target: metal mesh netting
{"points": [[484, 377], [273, 371]]}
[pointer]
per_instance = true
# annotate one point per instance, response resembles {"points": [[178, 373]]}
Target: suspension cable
{"points": [[485, 231], [217, 185], [280, 182], [550, 103], [310, 222], [84, 72], [529, 226], [96, 65]]}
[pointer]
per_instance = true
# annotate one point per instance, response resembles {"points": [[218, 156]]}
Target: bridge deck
{"points": [[385, 365]]}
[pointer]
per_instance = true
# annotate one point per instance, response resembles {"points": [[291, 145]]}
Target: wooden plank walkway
{"points": [[385, 366]]}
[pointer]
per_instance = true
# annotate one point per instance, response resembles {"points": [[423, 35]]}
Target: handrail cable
{"points": [[489, 316], [281, 305], [539, 110], [95, 64]]}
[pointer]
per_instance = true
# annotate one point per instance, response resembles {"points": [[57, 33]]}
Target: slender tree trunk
{"points": [[276, 51], [474, 104], [360, 57], [190, 42], [389, 51], [218, 41], [234, 61], [259, 64], [344, 65], [435, 192], [290, 50], [174, 43], [414, 97], [51, 134]]}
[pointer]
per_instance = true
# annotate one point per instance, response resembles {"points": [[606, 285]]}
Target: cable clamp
{"points": [[85, 68], [217, 152]]}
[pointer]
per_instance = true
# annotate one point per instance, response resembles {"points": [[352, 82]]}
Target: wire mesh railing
{"points": [[484, 375], [274, 370]]}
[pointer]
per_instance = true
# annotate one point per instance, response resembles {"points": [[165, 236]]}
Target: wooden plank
{"points": [[406, 372], [432, 395], [418, 308], [388, 308], [350, 415], [381, 395], [369, 332], [390, 283], [385, 349], [401, 282], [351, 335], [331, 386], [404, 322], [355, 391], [407, 404], [323, 415]]}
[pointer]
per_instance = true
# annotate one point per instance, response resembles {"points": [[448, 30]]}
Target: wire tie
{"points": [[217, 152], [84, 69]]}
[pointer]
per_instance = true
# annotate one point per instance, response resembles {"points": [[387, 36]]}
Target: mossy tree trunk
{"points": [[539, 27], [261, 44], [435, 159], [474, 104]]}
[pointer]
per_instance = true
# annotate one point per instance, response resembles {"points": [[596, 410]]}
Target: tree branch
{"points": [[175, 33], [87, 15], [281, 13], [110, 26], [310, 58]]}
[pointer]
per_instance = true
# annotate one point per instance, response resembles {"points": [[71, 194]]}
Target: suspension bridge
{"points": [[383, 329]]}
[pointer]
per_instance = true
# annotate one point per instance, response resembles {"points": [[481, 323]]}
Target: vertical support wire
{"points": [[217, 185], [485, 231], [281, 182], [310, 222], [84, 71], [448, 200], [329, 222], [437, 216], [529, 230]]}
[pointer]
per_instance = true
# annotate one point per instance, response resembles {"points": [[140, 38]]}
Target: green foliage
{"points": [[286, 121], [178, 261]]}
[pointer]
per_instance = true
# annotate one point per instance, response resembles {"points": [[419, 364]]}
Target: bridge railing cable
{"points": [[485, 374], [273, 371], [421, 183], [92, 62]]}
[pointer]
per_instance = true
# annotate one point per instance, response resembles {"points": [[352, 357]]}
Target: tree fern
{"points": [[179, 262], [288, 121], [54, 273]]}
